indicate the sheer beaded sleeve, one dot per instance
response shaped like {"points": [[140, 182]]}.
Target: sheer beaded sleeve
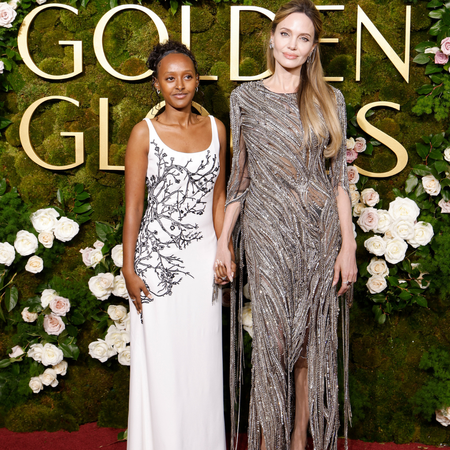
{"points": [[239, 178], [338, 167]]}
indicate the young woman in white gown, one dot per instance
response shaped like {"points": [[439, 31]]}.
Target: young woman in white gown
{"points": [[176, 386]]}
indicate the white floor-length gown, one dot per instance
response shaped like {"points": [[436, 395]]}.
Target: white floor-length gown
{"points": [[176, 387]]}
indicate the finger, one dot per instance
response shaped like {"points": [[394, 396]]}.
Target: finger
{"points": [[336, 276], [146, 291]]}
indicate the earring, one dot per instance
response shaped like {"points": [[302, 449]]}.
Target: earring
{"points": [[196, 89], [311, 56], [158, 91], [271, 45]]}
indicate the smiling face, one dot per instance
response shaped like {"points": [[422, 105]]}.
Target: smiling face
{"points": [[293, 41], [177, 80]]}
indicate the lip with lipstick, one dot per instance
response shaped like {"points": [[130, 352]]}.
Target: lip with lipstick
{"points": [[180, 95], [289, 56]]}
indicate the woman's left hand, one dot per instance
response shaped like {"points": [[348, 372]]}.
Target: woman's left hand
{"points": [[345, 268]]}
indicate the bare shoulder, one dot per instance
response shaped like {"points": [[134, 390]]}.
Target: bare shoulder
{"points": [[140, 130]]}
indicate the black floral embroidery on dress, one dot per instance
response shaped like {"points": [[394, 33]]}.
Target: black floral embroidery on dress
{"points": [[175, 195]]}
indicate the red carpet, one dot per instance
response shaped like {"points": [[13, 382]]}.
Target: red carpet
{"points": [[90, 437]]}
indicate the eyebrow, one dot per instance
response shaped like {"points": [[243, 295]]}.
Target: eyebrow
{"points": [[288, 29], [185, 71]]}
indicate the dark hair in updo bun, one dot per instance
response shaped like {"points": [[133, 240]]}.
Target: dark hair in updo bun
{"points": [[161, 50]]}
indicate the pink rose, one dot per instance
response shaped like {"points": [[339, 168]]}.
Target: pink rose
{"points": [[360, 145], [370, 197], [445, 46], [353, 175], [445, 206], [53, 324], [98, 245], [440, 58], [351, 155], [60, 305], [368, 220]]}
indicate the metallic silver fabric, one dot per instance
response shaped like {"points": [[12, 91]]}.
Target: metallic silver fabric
{"points": [[289, 228]]}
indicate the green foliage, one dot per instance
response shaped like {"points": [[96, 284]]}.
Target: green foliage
{"points": [[435, 393]]}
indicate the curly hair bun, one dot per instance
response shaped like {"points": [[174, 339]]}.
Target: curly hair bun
{"points": [[162, 50]]}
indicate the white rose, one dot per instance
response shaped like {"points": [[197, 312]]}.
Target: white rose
{"points": [[402, 207], [7, 253], [26, 243], [35, 264], [350, 143], [91, 256], [375, 245], [117, 255], [16, 352], [13, 3], [360, 145], [7, 15], [48, 378], [53, 324], [124, 357], [354, 230], [40, 2], [101, 350], [120, 288], [102, 285], [44, 220], [447, 154], [432, 50], [60, 305], [51, 355], [124, 323], [445, 206], [370, 197], [354, 195], [36, 384], [28, 316], [47, 296], [423, 233], [116, 338], [358, 209], [117, 312], [61, 368], [66, 229], [384, 221], [46, 239], [35, 352], [368, 220], [431, 185], [395, 250], [402, 228], [443, 416], [376, 284], [353, 175], [247, 318], [378, 267]]}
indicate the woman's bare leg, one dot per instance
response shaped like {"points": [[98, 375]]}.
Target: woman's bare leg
{"points": [[298, 438]]}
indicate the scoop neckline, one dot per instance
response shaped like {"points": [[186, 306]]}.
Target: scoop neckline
{"points": [[185, 153], [273, 92]]}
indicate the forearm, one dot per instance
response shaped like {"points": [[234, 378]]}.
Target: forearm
{"points": [[345, 219], [229, 221], [130, 233]]}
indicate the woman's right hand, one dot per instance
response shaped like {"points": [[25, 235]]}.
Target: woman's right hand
{"points": [[134, 287], [224, 266]]}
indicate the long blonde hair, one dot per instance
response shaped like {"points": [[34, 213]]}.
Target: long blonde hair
{"points": [[312, 88]]}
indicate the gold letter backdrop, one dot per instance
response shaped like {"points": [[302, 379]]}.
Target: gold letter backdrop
{"points": [[83, 85]]}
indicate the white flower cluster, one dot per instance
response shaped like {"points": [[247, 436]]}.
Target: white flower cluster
{"points": [[116, 339], [105, 284], [443, 416], [399, 227], [93, 256], [247, 318], [45, 222], [48, 355]]}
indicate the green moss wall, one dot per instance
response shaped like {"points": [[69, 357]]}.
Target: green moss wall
{"points": [[384, 358]]}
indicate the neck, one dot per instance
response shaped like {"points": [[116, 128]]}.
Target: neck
{"points": [[182, 117], [284, 80]]}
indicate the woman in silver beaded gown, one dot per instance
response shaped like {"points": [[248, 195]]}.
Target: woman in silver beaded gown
{"points": [[296, 230]]}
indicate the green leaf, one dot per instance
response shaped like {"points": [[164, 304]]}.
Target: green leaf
{"points": [[82, 209], [173, 6], [425, 89], [424, 45], [421, 301], [434, 30], [432, 68], [79, 188], [434, 4], [3, 186], [60, 196], [437, 14], [70, 350], [4, 363], [420, 190], [437, 79], [445, 182], [72, 330], [369, 149], [441, 166], [411, 183], [436, 154], [437, 139], [382, 319], [11, 298], [83, 196], [122, 436], [397, 192], [77, 318], [445, 195], [422, 58], [103, 229], [378, 298], [393, 281], [405, 295], [2, 314], [421, 169]]}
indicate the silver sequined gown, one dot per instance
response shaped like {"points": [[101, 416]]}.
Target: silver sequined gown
{"points": [[291, 235]]}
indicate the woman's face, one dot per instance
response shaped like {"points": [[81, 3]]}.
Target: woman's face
{"points": [[293, 41], [177, 80]]}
